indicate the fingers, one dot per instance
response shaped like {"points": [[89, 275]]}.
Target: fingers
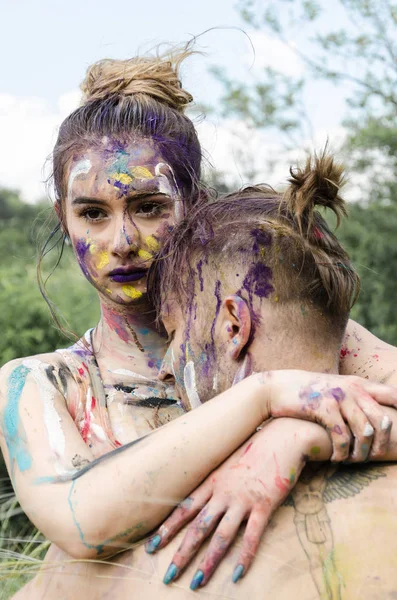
{"points": [[339, 432], [198, 531], [185, 512], [383, 394], [256, 525], [220, 542], [361, 429], [380, 421]]}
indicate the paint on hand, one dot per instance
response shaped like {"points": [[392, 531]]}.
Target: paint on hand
{"points": [[315, 451], [292, 475], [189, 379], [131, 292], [14, 433]]}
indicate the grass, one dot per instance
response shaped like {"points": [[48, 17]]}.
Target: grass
{"points": [[22, 546]]}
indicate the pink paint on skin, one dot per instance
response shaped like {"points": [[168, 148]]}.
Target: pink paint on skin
{"points": [[281, 482], [248, 448], [337, 429]]}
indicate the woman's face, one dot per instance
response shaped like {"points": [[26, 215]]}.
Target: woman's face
{"points": [[121, 201]]}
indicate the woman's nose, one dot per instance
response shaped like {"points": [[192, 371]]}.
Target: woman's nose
{"points": [[125, 239]]}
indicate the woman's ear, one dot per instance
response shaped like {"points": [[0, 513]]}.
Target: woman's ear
{"points": [[236, 324]]}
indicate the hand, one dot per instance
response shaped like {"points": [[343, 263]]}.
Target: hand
{"points": [[333, 401], [249, 486]]}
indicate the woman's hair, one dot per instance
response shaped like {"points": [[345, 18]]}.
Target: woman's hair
{"points": [[129, 99], [282, 246]]}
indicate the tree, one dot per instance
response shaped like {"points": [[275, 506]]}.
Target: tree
{"points": [[359, 57]]}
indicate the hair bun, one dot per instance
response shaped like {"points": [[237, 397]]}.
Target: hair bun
{"points": [[317, 184], [154, 76]]}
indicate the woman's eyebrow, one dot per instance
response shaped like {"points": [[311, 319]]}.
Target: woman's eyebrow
{"points": [[87, 200]]}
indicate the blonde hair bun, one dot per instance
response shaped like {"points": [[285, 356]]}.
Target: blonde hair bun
{"points": [[154, 76], [317, 184]]}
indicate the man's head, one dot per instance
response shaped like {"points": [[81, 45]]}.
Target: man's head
{"points": [[255, 281]]}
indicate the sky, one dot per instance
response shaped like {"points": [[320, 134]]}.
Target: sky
{"points": [[47, 45]]}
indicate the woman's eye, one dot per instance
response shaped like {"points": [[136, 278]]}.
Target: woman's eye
{"points": [[93, 214], [150, 209]]}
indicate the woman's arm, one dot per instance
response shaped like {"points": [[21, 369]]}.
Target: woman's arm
{"points": [[126, 493], [364, 354]]}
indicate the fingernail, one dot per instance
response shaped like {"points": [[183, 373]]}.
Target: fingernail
{"points": [[196, 581], [152, 544], [237, 573], [170, 574], [368, 430], [385, 423]]}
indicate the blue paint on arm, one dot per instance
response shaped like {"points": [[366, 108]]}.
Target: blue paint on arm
{"points": [[13, 430]]}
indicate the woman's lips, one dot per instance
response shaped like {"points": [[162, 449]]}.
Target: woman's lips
{"points": [[124, 276]]}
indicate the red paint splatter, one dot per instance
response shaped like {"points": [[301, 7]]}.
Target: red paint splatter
{"points": [[344, 352], [85, 366], [93, 403], [355, 355], [376, 356], [81, 371], [248, 448], [117, 443]]}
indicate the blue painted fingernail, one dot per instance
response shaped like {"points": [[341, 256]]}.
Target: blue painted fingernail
{"points": [[196, 581], [170, 574], [152, 544], [237, 573]]}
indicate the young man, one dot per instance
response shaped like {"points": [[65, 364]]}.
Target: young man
{"points": [[254, 288]]}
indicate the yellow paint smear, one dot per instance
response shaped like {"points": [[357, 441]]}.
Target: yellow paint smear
{"points": [[131, 292], [122, 178], [145, 255], [141, 173], [103, 259], [152, 243]]}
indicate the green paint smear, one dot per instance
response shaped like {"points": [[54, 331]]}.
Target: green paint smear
{"points": [[315, 450]]}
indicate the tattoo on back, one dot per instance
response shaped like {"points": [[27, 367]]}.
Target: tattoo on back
{"points": [[319, 485]]}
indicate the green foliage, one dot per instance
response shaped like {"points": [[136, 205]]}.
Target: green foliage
{"points": [[360, 54], [25, 321]]}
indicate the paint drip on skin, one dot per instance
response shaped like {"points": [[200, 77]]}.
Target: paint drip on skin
{"points": [[189, 379], [52, 420], [244, 370], [131, 292], [14, 431]]}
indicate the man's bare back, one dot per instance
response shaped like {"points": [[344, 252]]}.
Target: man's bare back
{"points": [[334, 539]]}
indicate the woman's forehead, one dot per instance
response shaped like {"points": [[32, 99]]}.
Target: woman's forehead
{"points": [[124, 167]]}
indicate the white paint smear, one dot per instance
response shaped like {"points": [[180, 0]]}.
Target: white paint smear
{"points": [[189, 379], [52, 420], [80, 168]]}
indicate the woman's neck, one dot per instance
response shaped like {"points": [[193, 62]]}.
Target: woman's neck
{"points": [[129, 338]]}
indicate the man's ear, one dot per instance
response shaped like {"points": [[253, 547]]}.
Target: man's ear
{"points": [[236, 324]]}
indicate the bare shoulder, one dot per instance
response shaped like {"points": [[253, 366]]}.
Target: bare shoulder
{"points": [[19, 369]]}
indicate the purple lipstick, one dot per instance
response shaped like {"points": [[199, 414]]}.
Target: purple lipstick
{"points": [[127, 274]]}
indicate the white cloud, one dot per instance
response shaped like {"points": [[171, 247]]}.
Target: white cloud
{"points": [[28, 128], [271, 52]]}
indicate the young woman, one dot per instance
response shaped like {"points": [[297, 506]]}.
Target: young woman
{"points": [[126, 168]]}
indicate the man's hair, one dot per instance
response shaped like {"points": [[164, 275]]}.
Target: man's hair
{"points": [[277, 245]]}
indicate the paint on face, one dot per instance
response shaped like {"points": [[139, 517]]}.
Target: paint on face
{"points": [[82, 167], [189, 380], [131, 292], [14, 431], [132, 192]]}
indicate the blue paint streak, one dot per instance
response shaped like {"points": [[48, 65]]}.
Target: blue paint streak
{"points": [[14, 432]]}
